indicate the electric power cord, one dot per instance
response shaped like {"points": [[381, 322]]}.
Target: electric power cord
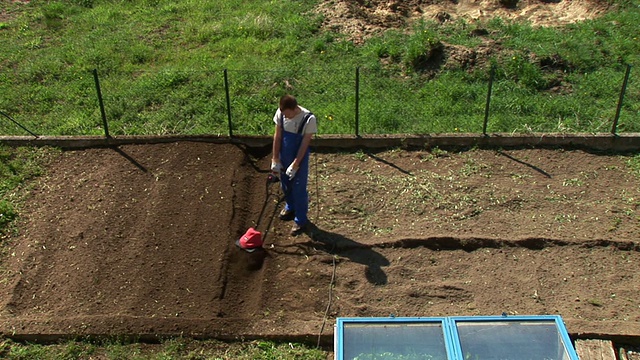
{"points": [[326, 312]]}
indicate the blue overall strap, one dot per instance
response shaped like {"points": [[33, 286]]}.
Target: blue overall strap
{"points": [[304, 122]]}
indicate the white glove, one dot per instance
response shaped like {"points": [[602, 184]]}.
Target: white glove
{"points": [[291, 172], [276, 167]]}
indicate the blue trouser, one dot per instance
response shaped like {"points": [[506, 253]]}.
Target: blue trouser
{"points": [[295, 190]]}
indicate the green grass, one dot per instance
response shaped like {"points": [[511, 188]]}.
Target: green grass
{"points": [[174, 349], [17, 167], [161, 68]]}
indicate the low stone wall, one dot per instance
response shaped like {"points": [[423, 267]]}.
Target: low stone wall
{"points": [[600, 142]]}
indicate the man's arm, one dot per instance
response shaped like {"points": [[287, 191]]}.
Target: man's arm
{"points": [[277, 141], [306, 140]]}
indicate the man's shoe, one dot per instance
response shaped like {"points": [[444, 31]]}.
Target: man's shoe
{"points": [[287, 215], [298, 229]]}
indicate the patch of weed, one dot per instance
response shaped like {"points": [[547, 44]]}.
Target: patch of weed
{"points": [[634, 165], [17, 167], [177, 348]]}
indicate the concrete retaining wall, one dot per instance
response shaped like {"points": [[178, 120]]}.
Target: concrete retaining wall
{"points": [[601, 142]]}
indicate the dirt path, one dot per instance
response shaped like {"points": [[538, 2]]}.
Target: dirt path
{"points": [[140, 240]]}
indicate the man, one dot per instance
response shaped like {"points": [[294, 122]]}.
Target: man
{"points": [[295, 127]]}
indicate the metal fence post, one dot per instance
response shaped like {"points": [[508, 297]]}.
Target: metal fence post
{"points": [[104, 114], [226, 89], [614, 128], [357, 101], [486, 108]]}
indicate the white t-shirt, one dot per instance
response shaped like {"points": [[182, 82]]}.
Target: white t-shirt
{"points": [[292, 125]]}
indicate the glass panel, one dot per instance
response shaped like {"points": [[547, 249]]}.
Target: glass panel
{"points": [[511, 340], [397, 341]]}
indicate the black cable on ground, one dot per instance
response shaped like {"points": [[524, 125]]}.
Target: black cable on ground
{"points": [[317, 190], [326, 313], [333, 275]]}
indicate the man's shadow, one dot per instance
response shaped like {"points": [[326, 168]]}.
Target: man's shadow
{"points": [[360, 253]]}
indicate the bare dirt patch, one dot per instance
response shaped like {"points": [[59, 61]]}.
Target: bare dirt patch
{"points": [[139, 240], [359, 19], [6, 13]]}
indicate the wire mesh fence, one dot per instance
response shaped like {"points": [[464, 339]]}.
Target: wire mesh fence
{"points": [[347, 101]]}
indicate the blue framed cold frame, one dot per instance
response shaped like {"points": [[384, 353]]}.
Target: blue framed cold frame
{"points": [[453, 338]]}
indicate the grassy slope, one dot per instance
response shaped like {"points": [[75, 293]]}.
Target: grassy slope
{"points": [[161, 66]]}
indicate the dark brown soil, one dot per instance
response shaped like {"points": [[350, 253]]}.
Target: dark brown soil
{"points": [[139, 240]]}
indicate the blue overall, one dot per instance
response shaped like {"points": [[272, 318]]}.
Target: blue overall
{"points": [[295, 190]]}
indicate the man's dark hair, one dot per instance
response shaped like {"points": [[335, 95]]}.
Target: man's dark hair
{"points": [[288, 102]]}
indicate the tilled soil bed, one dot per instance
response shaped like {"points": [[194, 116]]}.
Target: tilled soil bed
{"points": [[139, 240]]}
